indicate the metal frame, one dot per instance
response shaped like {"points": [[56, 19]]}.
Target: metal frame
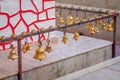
{"points": [[19, 37]]}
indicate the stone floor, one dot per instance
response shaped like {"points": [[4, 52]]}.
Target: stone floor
{"points": [[108, 70]]}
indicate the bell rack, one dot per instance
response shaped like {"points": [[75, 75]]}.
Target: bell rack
{"points": [[19, 37]]}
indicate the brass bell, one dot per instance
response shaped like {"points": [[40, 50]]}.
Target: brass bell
{"points": [[76, 35], [69, 19], [90, 25], [23, 33], [2, 37], [28, 47], [81, 19], [97, 30], [76, 20], [104, 26], [100, 21], [64, 39], [13, 35], [39, 54], [33, 31], [48, 48], [92, 31], [61, 19], [57, 13], [109, 29], [13, 54], [24, 48]]}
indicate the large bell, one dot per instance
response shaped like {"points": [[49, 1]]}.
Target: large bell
{"points": [[12, 55], [64, 39], [39, 54], [76, 35]]}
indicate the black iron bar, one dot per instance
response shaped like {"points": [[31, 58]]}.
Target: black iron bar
{"points": [[19, 60], [114, 38], [56, 28]]}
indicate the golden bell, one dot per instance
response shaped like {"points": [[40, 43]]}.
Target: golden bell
{"points": [[104, 26], [81, 19], [90, 25], [69, 19], [99, 21], [64, 39], [28, 47], [39, 54], [58, 25], [97, 30], [23, 33], [12, 55], [109, 29], [2, 37], [48, 48], [61, 19], [76, 20], [76, 35], [13, 35], [33, 31], [57, 14], [42, 29], [24, 48]]}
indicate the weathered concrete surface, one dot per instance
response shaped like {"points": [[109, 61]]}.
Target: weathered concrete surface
{"points": [[108, 70], [113, 4]]}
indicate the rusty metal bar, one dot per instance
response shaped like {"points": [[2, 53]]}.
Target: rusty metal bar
{"points": [[56, 28], [114, 38], [19, 60]]}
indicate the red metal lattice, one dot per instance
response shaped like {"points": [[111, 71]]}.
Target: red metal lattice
{"points": [[20, 12]]}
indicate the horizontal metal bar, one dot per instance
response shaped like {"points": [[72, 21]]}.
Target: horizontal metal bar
{"points": [[81, 10], [56, 28]]}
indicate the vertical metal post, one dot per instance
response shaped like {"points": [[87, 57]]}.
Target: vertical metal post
{"points": [[19, 60], [114, 38]]}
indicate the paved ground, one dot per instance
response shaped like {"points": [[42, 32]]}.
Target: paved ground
{"points": [[118, 49]]}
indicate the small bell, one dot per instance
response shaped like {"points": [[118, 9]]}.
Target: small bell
{"points": [[13, 35], [39, 54], [69, 19], [28, 47], [76, 20], [23, 33], [92, 31], [97, 30], [61, 19], [100, 21], [3, 38], [109, 29], [24, 48], [108, 12], [33, 31], [76, 35], [104, 26], [48, 48], [57, 13], [90, 25], [64, 39], [13, 54]]}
